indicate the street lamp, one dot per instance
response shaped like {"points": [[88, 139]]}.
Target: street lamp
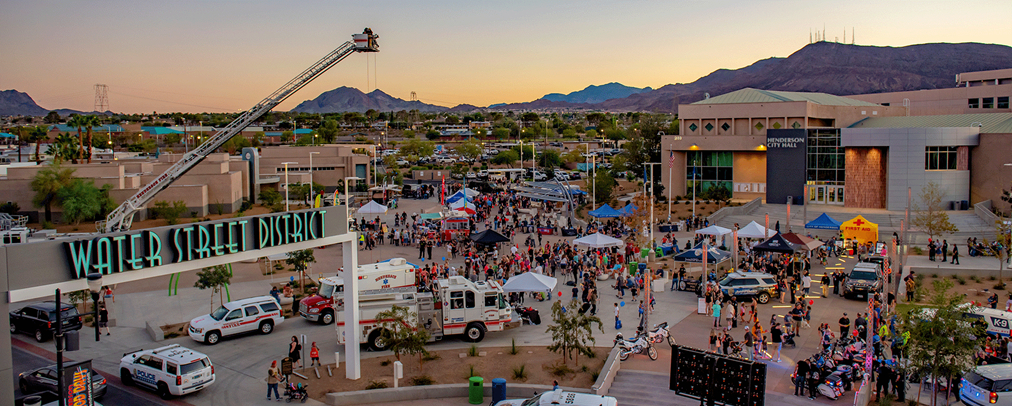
{"points": [[286, 181], [347, 196], [312, 192], [95, 286]]}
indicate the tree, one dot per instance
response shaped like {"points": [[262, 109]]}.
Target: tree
{"points": [[500, 133], [592, 134], [572, 332], [575, 155], [507, 157], [470, 149], [300, 260], [941, 341], [718, 193], [214, 278], [78, 122], [432, 134], [409, 134], [399, 333], [930, 215], [603, 183], [549, 159], [569, 133], [417, 147], [47, 183], [287, 136], [64, 149], [172, 138], [269, 197], [52, 118], [89, 122], [169, 211], [80, 200], [37, 135], [328, 131]]}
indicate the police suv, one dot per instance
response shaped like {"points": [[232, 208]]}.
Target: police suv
{"points": [[170, 371], [559, 397], [760, 285], [259, 313]]}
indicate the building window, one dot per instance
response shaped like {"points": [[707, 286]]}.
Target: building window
{"points": [[940, 158], [973, 103], [711, 169], [988, 103], [1003, 102], [825, 158]]}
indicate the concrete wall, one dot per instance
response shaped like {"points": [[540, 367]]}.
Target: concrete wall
{"points": [[750, 168], [941, 101], [865, 177], [988, 175]]}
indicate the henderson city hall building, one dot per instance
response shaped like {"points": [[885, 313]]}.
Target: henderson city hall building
{"points": [[856, 151]]}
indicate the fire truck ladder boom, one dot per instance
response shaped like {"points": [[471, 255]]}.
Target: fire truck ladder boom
{"points": [[121, 218]]}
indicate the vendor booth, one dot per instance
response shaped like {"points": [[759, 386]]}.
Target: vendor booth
{"points": [[859, 229], [778, 243], [824, 222]]}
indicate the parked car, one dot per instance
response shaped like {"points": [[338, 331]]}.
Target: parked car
{"points": [[172, 370], [560, 175], [987, 384], [39, 319], [555, 144], [256, 314], [402, 162], [762, 286], [445, 160], [45, 379], [575, 175], [863, 280], [471, 175]]}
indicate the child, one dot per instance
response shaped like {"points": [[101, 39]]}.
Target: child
{"points": [[314, 355]]}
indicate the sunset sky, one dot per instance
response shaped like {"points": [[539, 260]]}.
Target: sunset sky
{"points": [[226, 55]]}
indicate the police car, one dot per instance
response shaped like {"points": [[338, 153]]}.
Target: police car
{"points": [[169, 371], [261, 313], [561, 397], [760, 285]]}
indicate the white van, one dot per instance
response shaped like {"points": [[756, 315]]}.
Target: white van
{"points": [[170, 371], [997, 321], [259, 313]]}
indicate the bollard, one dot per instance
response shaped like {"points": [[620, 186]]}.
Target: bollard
{"points": [[300, 375], [317, 369], [498, 390], [329, 372], [475, 390], [337, 359], [398, 372]]}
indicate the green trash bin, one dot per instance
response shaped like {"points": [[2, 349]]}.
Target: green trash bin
{"points": [[659, 251], [632, 268], [644, 252], [476, 390]]}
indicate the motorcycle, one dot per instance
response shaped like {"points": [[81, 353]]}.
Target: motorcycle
{"points": [[831, 386], [637, 345], [660, 333], [296, 391]]}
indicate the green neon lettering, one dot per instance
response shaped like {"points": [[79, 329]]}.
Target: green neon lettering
{"points": [[119, 254], [296, 227], [265, 236], [103, 256], [203, 240], [80, 256], [189, 242], [232, 244], [283, 229], [176, 236], [311, 226], [323, 222], [306, 225], [154, 257], [134, 261], [216, 246], [242, 234]]}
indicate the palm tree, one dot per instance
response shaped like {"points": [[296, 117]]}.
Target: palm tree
{"points": [[37, 135], [47, 183], [64, 148], [89, 122], [78, 121]]}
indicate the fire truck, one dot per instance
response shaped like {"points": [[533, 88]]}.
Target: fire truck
{"points": [[394, 273], [458, 306]]}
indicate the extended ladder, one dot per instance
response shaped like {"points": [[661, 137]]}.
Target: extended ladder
{"points": [[121, 218]]}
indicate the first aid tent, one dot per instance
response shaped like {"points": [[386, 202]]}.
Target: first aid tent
{"points": [[860, 229]]}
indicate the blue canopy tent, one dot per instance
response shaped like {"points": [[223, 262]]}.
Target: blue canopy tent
{"points": [[695, 255], [6, 135], [629, 209], [824, 222], [457, 196], [605, 211]]}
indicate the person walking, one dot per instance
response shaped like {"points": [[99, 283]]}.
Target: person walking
{"points": [[955, 255], [825, 284], [749, 343], [295, 352], [618, 323], [103, 319], [716, 314], [777, 335], [844, 326], [273, 378], [806, 284], [800, 378], [314, 355]]}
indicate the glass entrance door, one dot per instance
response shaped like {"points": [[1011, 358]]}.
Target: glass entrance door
{"points": [[824, 194]]}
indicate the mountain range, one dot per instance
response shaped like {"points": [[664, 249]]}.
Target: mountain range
{"points": [[826, 67]]}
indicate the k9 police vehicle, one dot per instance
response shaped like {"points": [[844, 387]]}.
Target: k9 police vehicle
{"points": [[759, 285], [256, 314], [169, 371], [561, 397]]}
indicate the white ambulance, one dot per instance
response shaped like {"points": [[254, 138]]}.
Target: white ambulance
{"points": [[170, 371], [261, 313], [394, 273]]}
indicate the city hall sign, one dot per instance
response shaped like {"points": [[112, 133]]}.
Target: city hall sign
{"points": [[115, 253]]}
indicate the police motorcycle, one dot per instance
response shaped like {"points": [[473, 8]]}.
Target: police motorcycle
{"points": [[296, 391], [838, 367], [637, 345], [661, 333]]}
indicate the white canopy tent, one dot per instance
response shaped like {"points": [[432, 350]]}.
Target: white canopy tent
{"points": [[530, 282], [598, 240], [470, 193], [372, 208], [753, 230], [714, 230]]}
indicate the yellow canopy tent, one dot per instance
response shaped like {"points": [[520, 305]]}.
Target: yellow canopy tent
{"points": [[860, 229]]}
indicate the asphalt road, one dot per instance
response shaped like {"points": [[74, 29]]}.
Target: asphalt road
{"points": [[116, 394]]}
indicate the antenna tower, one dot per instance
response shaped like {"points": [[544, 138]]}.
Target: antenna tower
{"points": [[414, 96], [101, 98]]}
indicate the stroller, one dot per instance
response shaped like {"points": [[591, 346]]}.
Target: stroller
{"points": [[529, 315], [789, 340], [296, 391]]}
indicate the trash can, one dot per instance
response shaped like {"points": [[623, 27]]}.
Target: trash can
{"points": [[632, 268], [964, 205], [475, 390], [498, 390], [642, 266], [659, 251]]}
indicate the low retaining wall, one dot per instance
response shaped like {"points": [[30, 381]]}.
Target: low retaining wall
{"points": [[735, 211], [608, 372], [949, 270], [455, 390], [983, 210]]}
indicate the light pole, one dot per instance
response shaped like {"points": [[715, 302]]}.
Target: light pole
{"points": [[347, 196], [374, 171], [312, 192], [286, 181], [693, 188], [651, 164], [95, 286]]}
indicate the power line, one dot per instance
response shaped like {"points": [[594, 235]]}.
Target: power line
{"points": [[173, 102]]}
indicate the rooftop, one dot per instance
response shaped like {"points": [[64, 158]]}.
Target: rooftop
{"points": [[101, 128], [1000, 123], [750, 95]]}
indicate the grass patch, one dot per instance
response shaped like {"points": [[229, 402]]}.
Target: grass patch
{"points": [[961, 280], [902, 308], [423, 380], [376, 385], [472, 351], [520, 372], [594, 375], [470, 371], [559, 370], [430, 356], [513, 347]]}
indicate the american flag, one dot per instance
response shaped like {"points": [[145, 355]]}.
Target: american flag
{"points": [[671, 159]]}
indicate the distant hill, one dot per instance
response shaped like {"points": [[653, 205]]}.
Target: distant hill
{"points": [[15, 103], [596, 94], [350, 99]]}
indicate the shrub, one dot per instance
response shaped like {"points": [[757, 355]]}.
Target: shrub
{"points": [[430, 356], [991, 278], [559, 370], [594, 375], [918, 251], [584, 368], [423, 380], [975, 278], [169, 211], [999, 286], [513, 347], [961, 280], [933, 276], [954, 276], [520, 372], [11, 208], [470, 371], [384, 363], [473, 351], [376, 385]]}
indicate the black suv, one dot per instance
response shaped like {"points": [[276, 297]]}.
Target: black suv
{"points": [[39, 319], [862, 281]]}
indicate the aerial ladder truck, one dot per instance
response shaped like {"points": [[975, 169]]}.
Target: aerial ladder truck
{"points": [[121, 218]]}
